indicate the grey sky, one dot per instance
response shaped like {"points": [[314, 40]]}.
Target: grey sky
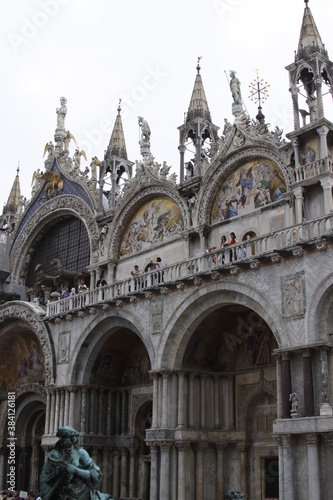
{"points": [[94, 52]]}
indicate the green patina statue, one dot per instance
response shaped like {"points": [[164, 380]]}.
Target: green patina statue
{"points": [[69, 472], [233, 495]]}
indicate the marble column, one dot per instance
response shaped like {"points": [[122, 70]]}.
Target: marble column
{"points": [[132, 472], [154, 476], [288, 468], [203, 379], [47, 416], [294, 94], [325, 407], [327, 439], [100, 411], [109, 413], [92, 411], [231, 402], [217, 419], [298, 193], [71, 406], [279, 387], [165, 400], [118, 413], [181, 483], [243, 467], [220, 447], [52, 396], [165, 470], [323, 150], [124, 411], [286, 385], [155, 400], [62, 408], [327, 184], [313, 467], [83, 428], [181, 378], [66, 408], [191, 401], [199, 470], [182, 150], [116, 464], [308, 384], [106, 471], [56, 412], [296, 153], [320, 105], [123, 473]]}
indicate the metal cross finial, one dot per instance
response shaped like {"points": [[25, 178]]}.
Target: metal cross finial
{"points": [[306, 2], [258, 90]]}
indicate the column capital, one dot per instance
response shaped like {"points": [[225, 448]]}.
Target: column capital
{"points": [[322, 130], [311, 439], [298, 192], [306, 353], [287, 440], [182, 445], [165, 446], [242, 446]]}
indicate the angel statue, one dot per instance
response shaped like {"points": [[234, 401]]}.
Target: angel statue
{"points": [[77, 161], [145, 130], [49, 149], [35, 183], [93, 167], [69, 137], [61, 113]]}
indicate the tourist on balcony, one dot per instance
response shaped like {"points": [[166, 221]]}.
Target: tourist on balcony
{"points": [[101, 282], [224, 243], [82, 287], [233, 241], [158, 265], [66, 293]]}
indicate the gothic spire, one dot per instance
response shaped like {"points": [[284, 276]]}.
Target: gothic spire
{"points": [[117, 145], [198, 104], [14, 197], [310, 39]]}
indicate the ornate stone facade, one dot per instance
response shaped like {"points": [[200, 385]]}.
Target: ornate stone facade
{"points": [[196, 368]]}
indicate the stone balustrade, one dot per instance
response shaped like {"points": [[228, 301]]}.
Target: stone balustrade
{"points": [[278, 242], [310, 170]]}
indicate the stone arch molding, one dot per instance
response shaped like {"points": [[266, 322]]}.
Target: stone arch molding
{"points": [[213, 182], [318, 311], [118, 225], [81, 359], [195, 307], [21, 253], [25, 313]]}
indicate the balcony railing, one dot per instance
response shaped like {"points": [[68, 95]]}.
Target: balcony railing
{"points": [[310, 170], [258, 248]]}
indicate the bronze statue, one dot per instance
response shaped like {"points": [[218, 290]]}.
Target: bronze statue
{"points": [[69, 471]]}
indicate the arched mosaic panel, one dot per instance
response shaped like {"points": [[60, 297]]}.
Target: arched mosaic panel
{"points": [[158, 220], [252, 185]]}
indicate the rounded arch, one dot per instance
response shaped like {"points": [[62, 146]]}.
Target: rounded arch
{"points": [[199, 304], [57, 208], [30, 316], [319, 314], [213, 182], [138, 200], [93, 338]]}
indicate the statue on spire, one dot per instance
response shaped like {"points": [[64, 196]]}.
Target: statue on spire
{"points": [[145, 137], [61, 113], [235, 88]]}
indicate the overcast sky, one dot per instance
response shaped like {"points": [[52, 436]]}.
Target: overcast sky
{"points": [[94, 52]]}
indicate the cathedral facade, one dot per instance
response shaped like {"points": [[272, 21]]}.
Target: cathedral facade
{"points": [[181, 323]]}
